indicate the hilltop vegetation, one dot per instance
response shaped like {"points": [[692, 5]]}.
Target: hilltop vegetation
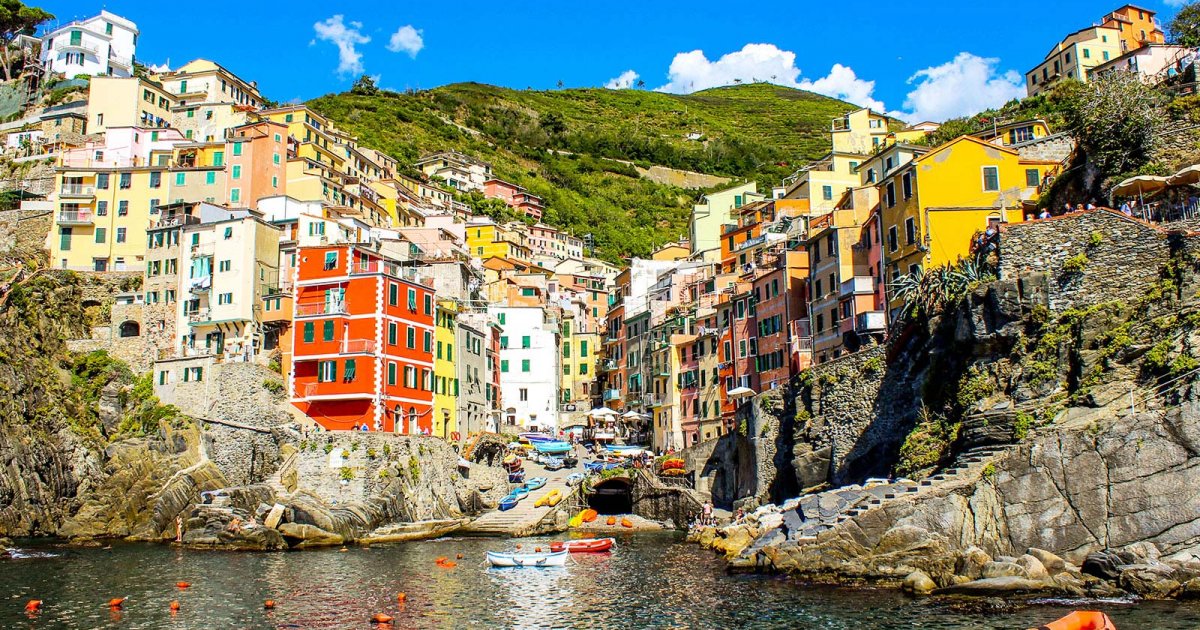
{"points": [[574, 147]]}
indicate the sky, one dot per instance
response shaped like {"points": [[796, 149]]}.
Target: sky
{"points": [[929, 60]]}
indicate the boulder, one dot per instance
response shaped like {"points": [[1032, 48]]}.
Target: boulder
{"points": [[1034, 569], [1105, 565], [1052, 563], [1189, 590], [1152, 581], [918, 583], [971, 563], [994, 586], [302, 536], [1003, 569]]}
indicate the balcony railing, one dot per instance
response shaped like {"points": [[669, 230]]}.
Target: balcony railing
{"points": [[71, 217], [858, 285], [77, 190], [201, 315], [871, 321], [612, 394], [67, 45], [358, 346], [320, 308]]}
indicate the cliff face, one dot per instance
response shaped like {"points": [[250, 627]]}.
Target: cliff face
{"points": [[1055, 409]]}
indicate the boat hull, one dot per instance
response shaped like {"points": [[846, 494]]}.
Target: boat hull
{"points": [[593, 545], [527, 560]]}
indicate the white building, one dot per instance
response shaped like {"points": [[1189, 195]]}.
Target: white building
{"points": [[1152, 62], [102, 45], [530, 365]]}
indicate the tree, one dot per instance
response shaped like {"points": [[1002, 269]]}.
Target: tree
{"points": [[365, 86], [553, 124], [17, 19], [1114, 119], [1184, 28]]}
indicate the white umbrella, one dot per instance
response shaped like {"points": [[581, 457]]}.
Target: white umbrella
{"points": [[1186, 175], [740, 392], [631, 414], [602, 412]]}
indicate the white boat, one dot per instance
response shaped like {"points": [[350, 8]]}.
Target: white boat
{"points": [[548, 559]]}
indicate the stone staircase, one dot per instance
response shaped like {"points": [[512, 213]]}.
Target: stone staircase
{"points": [[522, 520]]}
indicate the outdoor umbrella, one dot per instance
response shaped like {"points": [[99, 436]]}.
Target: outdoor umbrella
{"points": [[1139, 185], [1185, 176], [602, 412], [741, 392]]}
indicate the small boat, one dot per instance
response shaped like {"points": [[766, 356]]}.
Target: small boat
{"points": [[550, 559], [570, 461], [520, 492], [594, 466], [574, 479], [552, 463], [554, 495], [534, 438], [1081, 620], [507, 503], [535, 483], [576, 520], [589, 545], [516, 477], [553, 446]]}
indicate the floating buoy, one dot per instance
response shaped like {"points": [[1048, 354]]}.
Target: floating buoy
{"points": [[449, 564], [458, 557], [401, 597], [381, 618], [269, 604], [33, 605], [117, 602], [175, 606], [182, 585], [612, 520]]}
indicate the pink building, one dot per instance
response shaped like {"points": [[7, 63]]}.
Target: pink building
{"points": [[515, 196]]}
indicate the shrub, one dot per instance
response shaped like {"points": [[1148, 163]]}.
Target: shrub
{"points": [[1076, 263], [1095, 239], [873, 365], [346, 473], [414, 468], [989, 472], [275, 387], [328, 449], [927, 444], [1022, 425]]}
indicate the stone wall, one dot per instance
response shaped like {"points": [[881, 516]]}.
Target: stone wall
{"points": [[23, 231], [1124, 256], [1057, 147], [668, 504], [682, 179], [235, 393]]}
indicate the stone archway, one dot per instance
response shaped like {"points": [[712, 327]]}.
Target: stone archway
{"points": [[612, 496], [130, 329]]}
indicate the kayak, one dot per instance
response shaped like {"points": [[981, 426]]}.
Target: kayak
{"points": [[507, 503], [551, 559], [535, 483], [1081, 620], [589, 515], [590, 545], [546, 498]]}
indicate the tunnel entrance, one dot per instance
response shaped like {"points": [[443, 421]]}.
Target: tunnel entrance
{"points": [[612, 496]]}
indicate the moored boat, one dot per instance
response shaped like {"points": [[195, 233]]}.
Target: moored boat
{"points": [[574, 479], [1081, 620], [507, 503], [534, 484], [534, 438], [548, 559], [588, 545], [549, 499]]}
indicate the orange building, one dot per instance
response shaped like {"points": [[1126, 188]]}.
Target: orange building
{"points": [[362, 342], [257, 157], [1135, 26]]}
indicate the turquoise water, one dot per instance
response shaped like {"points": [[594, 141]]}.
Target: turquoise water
{"points": [[651, 581]]}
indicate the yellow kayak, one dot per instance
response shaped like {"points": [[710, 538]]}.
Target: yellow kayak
{"points": [[554, 495], [555, 498]]}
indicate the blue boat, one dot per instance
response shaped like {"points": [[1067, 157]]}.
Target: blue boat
{"points": [[507, 503], [516, 477], [534, 438], [574, 479], [593, 466], [520, 492], [534, 484], [554, 446]]}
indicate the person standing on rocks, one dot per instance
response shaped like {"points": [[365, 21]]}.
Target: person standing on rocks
{"points": [[179, 528]]}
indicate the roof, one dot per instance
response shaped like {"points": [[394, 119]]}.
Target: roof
{"points": [[965, 138]]}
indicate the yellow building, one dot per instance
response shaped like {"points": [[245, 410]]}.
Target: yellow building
{"points": [[710, 217], [198, 173], [486, 239], [579, 348], [935, 204], [854, 137], [128, 102], [445, 378], [203, 81], [1074, 56], [1015, 133]]}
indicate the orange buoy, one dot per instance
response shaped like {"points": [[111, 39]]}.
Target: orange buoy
{"points": [[537, 549], [401, 597], [1081, 620], [182, 585], [458, 557], [117, 602], [612, 520], [381, 618], [449, 564], [518, 546], [175, 606], [626, 523], [269, 604], [33, 605], [440, 560]]}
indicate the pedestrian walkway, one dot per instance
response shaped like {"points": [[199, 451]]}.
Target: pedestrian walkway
{"points": [[524, 519]]}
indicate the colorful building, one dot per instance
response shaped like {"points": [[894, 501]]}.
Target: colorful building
{"points": [[710, 217], [445, 374], [529, 366], [363, 342], [1075, 56], [100, 45]]}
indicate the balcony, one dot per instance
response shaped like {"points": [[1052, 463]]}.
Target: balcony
{"points": [[331, 391], [199, 316], [77, 190], [68, 45], [870, 322], [320, 308], [612, 394], [858, 285], [73, 217], [124, 62], [358, 346]]}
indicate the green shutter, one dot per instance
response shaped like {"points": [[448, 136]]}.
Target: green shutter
{"points": [[524, 365], [504, 366], [327, 330], [308, 332], [350, 369]]}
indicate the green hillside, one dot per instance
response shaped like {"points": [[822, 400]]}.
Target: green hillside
{"points": [[564, 145]]}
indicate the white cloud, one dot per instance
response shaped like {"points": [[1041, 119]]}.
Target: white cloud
{"points": [[407, 39], [345, 36], [1176, 3], [842, 83], [692, 71], [623, 82], [966, 85]]}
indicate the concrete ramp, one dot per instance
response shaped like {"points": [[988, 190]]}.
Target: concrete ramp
{"points": [[525, 519]]}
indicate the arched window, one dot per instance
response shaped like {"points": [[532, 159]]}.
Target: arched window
{"points": [[398, 419], [130, 329], [412, 420]]}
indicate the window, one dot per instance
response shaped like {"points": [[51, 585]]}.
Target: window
{"points": [[237, 148], [180, 179], [392, 333], [326, 371], [331, 261], [218, 156], [910, 231], [235, 195], [827, 193], [503, 365], [525, 341], [227, 298], [500, 318], [101, 233], [906, 185], [1087, 54], [349, 374], [991, 178], [122, 207], [236, 171], [893, 239], [428, 341], [275, 158], [411, 338], [155, 179], [393, 294], [327, 330], [308, 332], [428, 304], [891, 194], [126, 180], [102, 208], [412, 299], [1104, 54], [524, 394], [228, 233], [1032, 179], [391, 373], [120, 235], [504, 342], [524, 365], [583, 348]]}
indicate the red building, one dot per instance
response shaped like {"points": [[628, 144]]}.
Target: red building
{"points": [[689, 386], [362, 349], [782, 298], [515, 196]]}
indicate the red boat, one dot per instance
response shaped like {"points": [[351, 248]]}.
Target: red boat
{"points": [[588, 545]]}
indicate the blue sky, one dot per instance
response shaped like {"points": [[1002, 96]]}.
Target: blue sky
{"points": [[929, 59]]}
